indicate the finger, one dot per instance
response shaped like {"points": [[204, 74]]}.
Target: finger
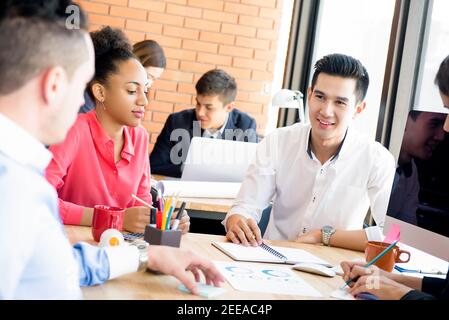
{"points": [[195, 272], [358, 271], [211, 273], [242, 237], [255, 230], [231, 237], [346, 270], [183, 276], [249, 235]]}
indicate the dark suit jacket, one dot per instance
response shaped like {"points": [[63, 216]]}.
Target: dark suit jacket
{"points": [[240, 127], [432, 288]]}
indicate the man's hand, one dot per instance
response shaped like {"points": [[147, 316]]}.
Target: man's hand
{"points": [[243, 230], [136, 218], [311, 237], [372, 280], [184, 222], [178, 262]]}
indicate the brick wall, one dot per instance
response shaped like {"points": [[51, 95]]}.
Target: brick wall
{"points": [[239, 36]]}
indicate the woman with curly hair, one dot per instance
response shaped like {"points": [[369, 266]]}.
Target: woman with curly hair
{"points": [[104, 158]]}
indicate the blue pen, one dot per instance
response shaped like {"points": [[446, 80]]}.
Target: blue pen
{"points": [[380, 255]]}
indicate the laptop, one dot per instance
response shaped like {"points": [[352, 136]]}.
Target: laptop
{"points": [[218, 160]]}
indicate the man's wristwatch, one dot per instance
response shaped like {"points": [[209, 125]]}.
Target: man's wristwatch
{"points": [[326, 233], [142, 246]]}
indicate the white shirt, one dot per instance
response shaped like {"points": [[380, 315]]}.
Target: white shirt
{"points": [[217, 134], [307, 195]]}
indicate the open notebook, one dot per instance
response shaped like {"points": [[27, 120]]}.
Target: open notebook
{"points": [[270, 254]]}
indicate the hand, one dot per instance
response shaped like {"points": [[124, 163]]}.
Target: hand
{"points": [[136, 218], [372, 280], [177, 262], [243, 230], [312, 237], [184, 222]]}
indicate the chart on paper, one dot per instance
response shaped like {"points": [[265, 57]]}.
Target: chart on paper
{"points": [[267, 279]]}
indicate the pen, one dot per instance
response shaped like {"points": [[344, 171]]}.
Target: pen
{"points": [[380, 255], [142, 201], [179, 216]]}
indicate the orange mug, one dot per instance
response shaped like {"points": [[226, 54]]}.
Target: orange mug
{"points": [[374, 248]]}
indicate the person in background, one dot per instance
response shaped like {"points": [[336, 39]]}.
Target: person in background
{"points": [[214, 116], [104, 158], [392, 286], [41, 90], [151, 56]]}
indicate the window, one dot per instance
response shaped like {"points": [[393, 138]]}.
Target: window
{"points": [[359, 28]]}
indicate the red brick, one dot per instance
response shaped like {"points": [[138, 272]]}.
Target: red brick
{"points": [[93, 7], [94, 27], [200, 46], [242, 96], [196, 67], [207, 4], [235, 51], [249, 63], [263, 3], [180, 54], [241, 9], [115, 2], [181, 32], [183, 11], [128, 13], [165, 19], [187, 88], [220, 16], [144, 26], [165, 41], [256, 22], [238, 73], [202, 24], [148, 5], [182, 107], [153, 138], [270, 67], [214, 58], [249, 107], [184, 2], [265, 55], [238, 30], [160, 106], [258, 98], [270, 13], [164, 85], [172, 97], [262, 75], [217, 37], [172, 64], [160, 117], [134, 36], [252, 43], [107, 21], [177, 76], [256, 86], [155, 127]]}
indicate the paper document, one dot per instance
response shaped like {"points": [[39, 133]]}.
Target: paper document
{"points": [[201, 189], [258, 254], [268, 279]]}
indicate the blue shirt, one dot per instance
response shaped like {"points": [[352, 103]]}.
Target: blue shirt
{"points": [[36, 258]]}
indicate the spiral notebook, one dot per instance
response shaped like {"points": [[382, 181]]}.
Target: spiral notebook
{"points": [[266, 253]]}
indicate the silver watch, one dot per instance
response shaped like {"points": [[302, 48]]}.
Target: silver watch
{"points": [[142, 246], [326, 233]]}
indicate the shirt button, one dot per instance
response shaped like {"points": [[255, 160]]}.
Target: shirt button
{"points": [[313, 200], [321, 171]]}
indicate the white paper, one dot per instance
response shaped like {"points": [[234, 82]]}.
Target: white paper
{"points": [[201, 189], [257, 254], [342, 294], [267, 279]]}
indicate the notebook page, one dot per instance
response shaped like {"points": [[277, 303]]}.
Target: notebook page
{"points": [[298, 255], [240, 252]]}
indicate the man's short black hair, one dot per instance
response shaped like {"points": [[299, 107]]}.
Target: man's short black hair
{"points": [[36, 35], [217, 82], [346, 67], [442, 77]]}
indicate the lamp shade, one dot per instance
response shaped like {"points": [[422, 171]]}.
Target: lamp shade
{"points": [[289, 99]]}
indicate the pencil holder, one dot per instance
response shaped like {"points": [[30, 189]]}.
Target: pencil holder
{"points": [[155, 236]]}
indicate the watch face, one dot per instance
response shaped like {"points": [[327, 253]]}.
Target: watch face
{"points": [[327, 229]]}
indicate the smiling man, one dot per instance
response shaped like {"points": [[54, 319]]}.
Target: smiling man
{"points": [[214, 116], [322, 177]]}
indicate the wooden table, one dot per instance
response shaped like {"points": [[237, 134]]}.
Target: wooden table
{"points": [[147, 285]]}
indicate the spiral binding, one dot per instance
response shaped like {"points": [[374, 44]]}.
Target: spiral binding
{"points": [[273, 252]]}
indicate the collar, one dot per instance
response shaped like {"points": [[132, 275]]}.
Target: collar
{"points": [[405, 170], [309, 145], [217, 133], [23, 148], [101, 138]]}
